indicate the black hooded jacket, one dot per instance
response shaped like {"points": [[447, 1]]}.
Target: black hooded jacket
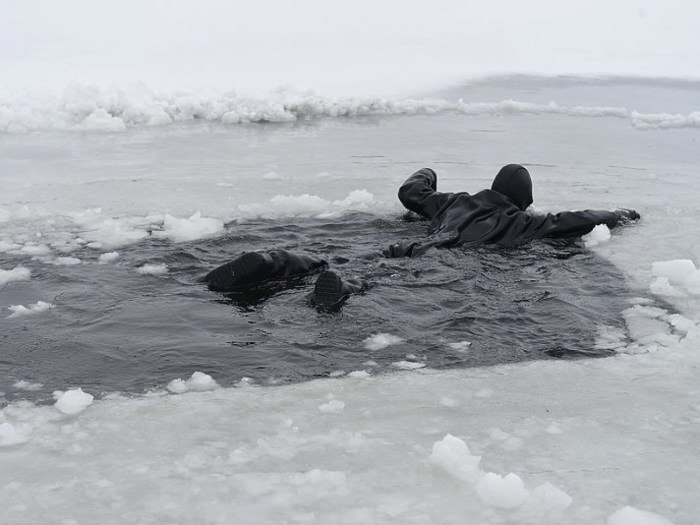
{"points": [[495, 216]]}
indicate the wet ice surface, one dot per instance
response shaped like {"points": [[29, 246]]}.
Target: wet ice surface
{"points": [[103, 227]]}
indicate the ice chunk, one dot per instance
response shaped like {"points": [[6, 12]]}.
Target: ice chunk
{"points": [[360, 374], [28, 385], [72, 402], [9, 436], [452, 455], [632, 516], [198, 382], [408, 365], [381, 341], [16, 274], [503, 492], [332, 407], [108, 257], [21, 311], [356, 199], [549, 497], [460, 346], [598, 235], [190, 229], [676, 271], [152, 269]]}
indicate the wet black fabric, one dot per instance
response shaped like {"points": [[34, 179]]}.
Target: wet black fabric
{"points": [[492, 216]]}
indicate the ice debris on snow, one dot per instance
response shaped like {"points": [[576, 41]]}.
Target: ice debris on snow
{"points": [[505, 492], [453, 456], [9, 436], [152, 269], [72, 402], [598, 235], [381, 341], [334, 406], [675, 278], [16, 274], [19, 310], [198, 382], [633, 516]]}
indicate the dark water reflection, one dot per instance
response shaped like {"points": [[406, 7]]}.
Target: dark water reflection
{"points": [[113, 329]]}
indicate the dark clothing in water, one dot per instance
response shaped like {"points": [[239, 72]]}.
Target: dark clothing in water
{"points": [[495, 216]]}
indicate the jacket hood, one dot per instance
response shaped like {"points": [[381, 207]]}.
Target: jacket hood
{"points": [[514, 182]]}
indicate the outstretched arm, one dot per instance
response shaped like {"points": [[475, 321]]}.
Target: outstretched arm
{"points": [[575, 223], [419, 193]]}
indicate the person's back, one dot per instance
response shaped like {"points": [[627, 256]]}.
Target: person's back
{"points": [[492, 216]]}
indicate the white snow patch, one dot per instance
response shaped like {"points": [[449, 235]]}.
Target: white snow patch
{"points": [[152, 269], [72, 402], [381, 341], [16, 274], [633, 516], [198, 382], [21, 311]]}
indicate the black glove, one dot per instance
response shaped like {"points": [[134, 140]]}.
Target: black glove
{"points": [[625, 215]]}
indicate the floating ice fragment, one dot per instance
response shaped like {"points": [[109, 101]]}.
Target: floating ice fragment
{"points": [[189, 229], [360, 374], [676, 271], [16, 274], [632, 516], [72, 402], [503, 492], [598, 235], [408, 365], [460, 346], [332, 407], [381, 341], [198, 382], [108, 257], [452, 455], [152, 269], [9, 436], [28, 385], [21, 311]]}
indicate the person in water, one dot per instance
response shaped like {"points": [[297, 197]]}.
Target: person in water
{"points": [[492, 216]]}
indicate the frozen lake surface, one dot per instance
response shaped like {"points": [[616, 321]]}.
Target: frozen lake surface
{"points": [[111, 207]]}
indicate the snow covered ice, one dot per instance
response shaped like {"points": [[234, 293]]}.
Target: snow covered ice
{"points": [[105, 148]]}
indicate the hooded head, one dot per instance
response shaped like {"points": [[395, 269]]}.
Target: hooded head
{"points": [[514, 182]]}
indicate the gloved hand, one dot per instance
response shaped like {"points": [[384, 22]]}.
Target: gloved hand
{"points": [[626, 215]]}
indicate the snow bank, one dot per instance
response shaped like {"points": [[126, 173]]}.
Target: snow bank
{"points": [[114, 109]]}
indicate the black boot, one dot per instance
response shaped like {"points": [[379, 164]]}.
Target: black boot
{"points": [[330, 291]]}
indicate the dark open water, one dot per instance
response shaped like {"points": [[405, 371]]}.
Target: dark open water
{"points": [[113, 329]]}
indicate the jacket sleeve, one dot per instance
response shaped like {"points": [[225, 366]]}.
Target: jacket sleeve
{"points": [[419, 193], [573, 223]]}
